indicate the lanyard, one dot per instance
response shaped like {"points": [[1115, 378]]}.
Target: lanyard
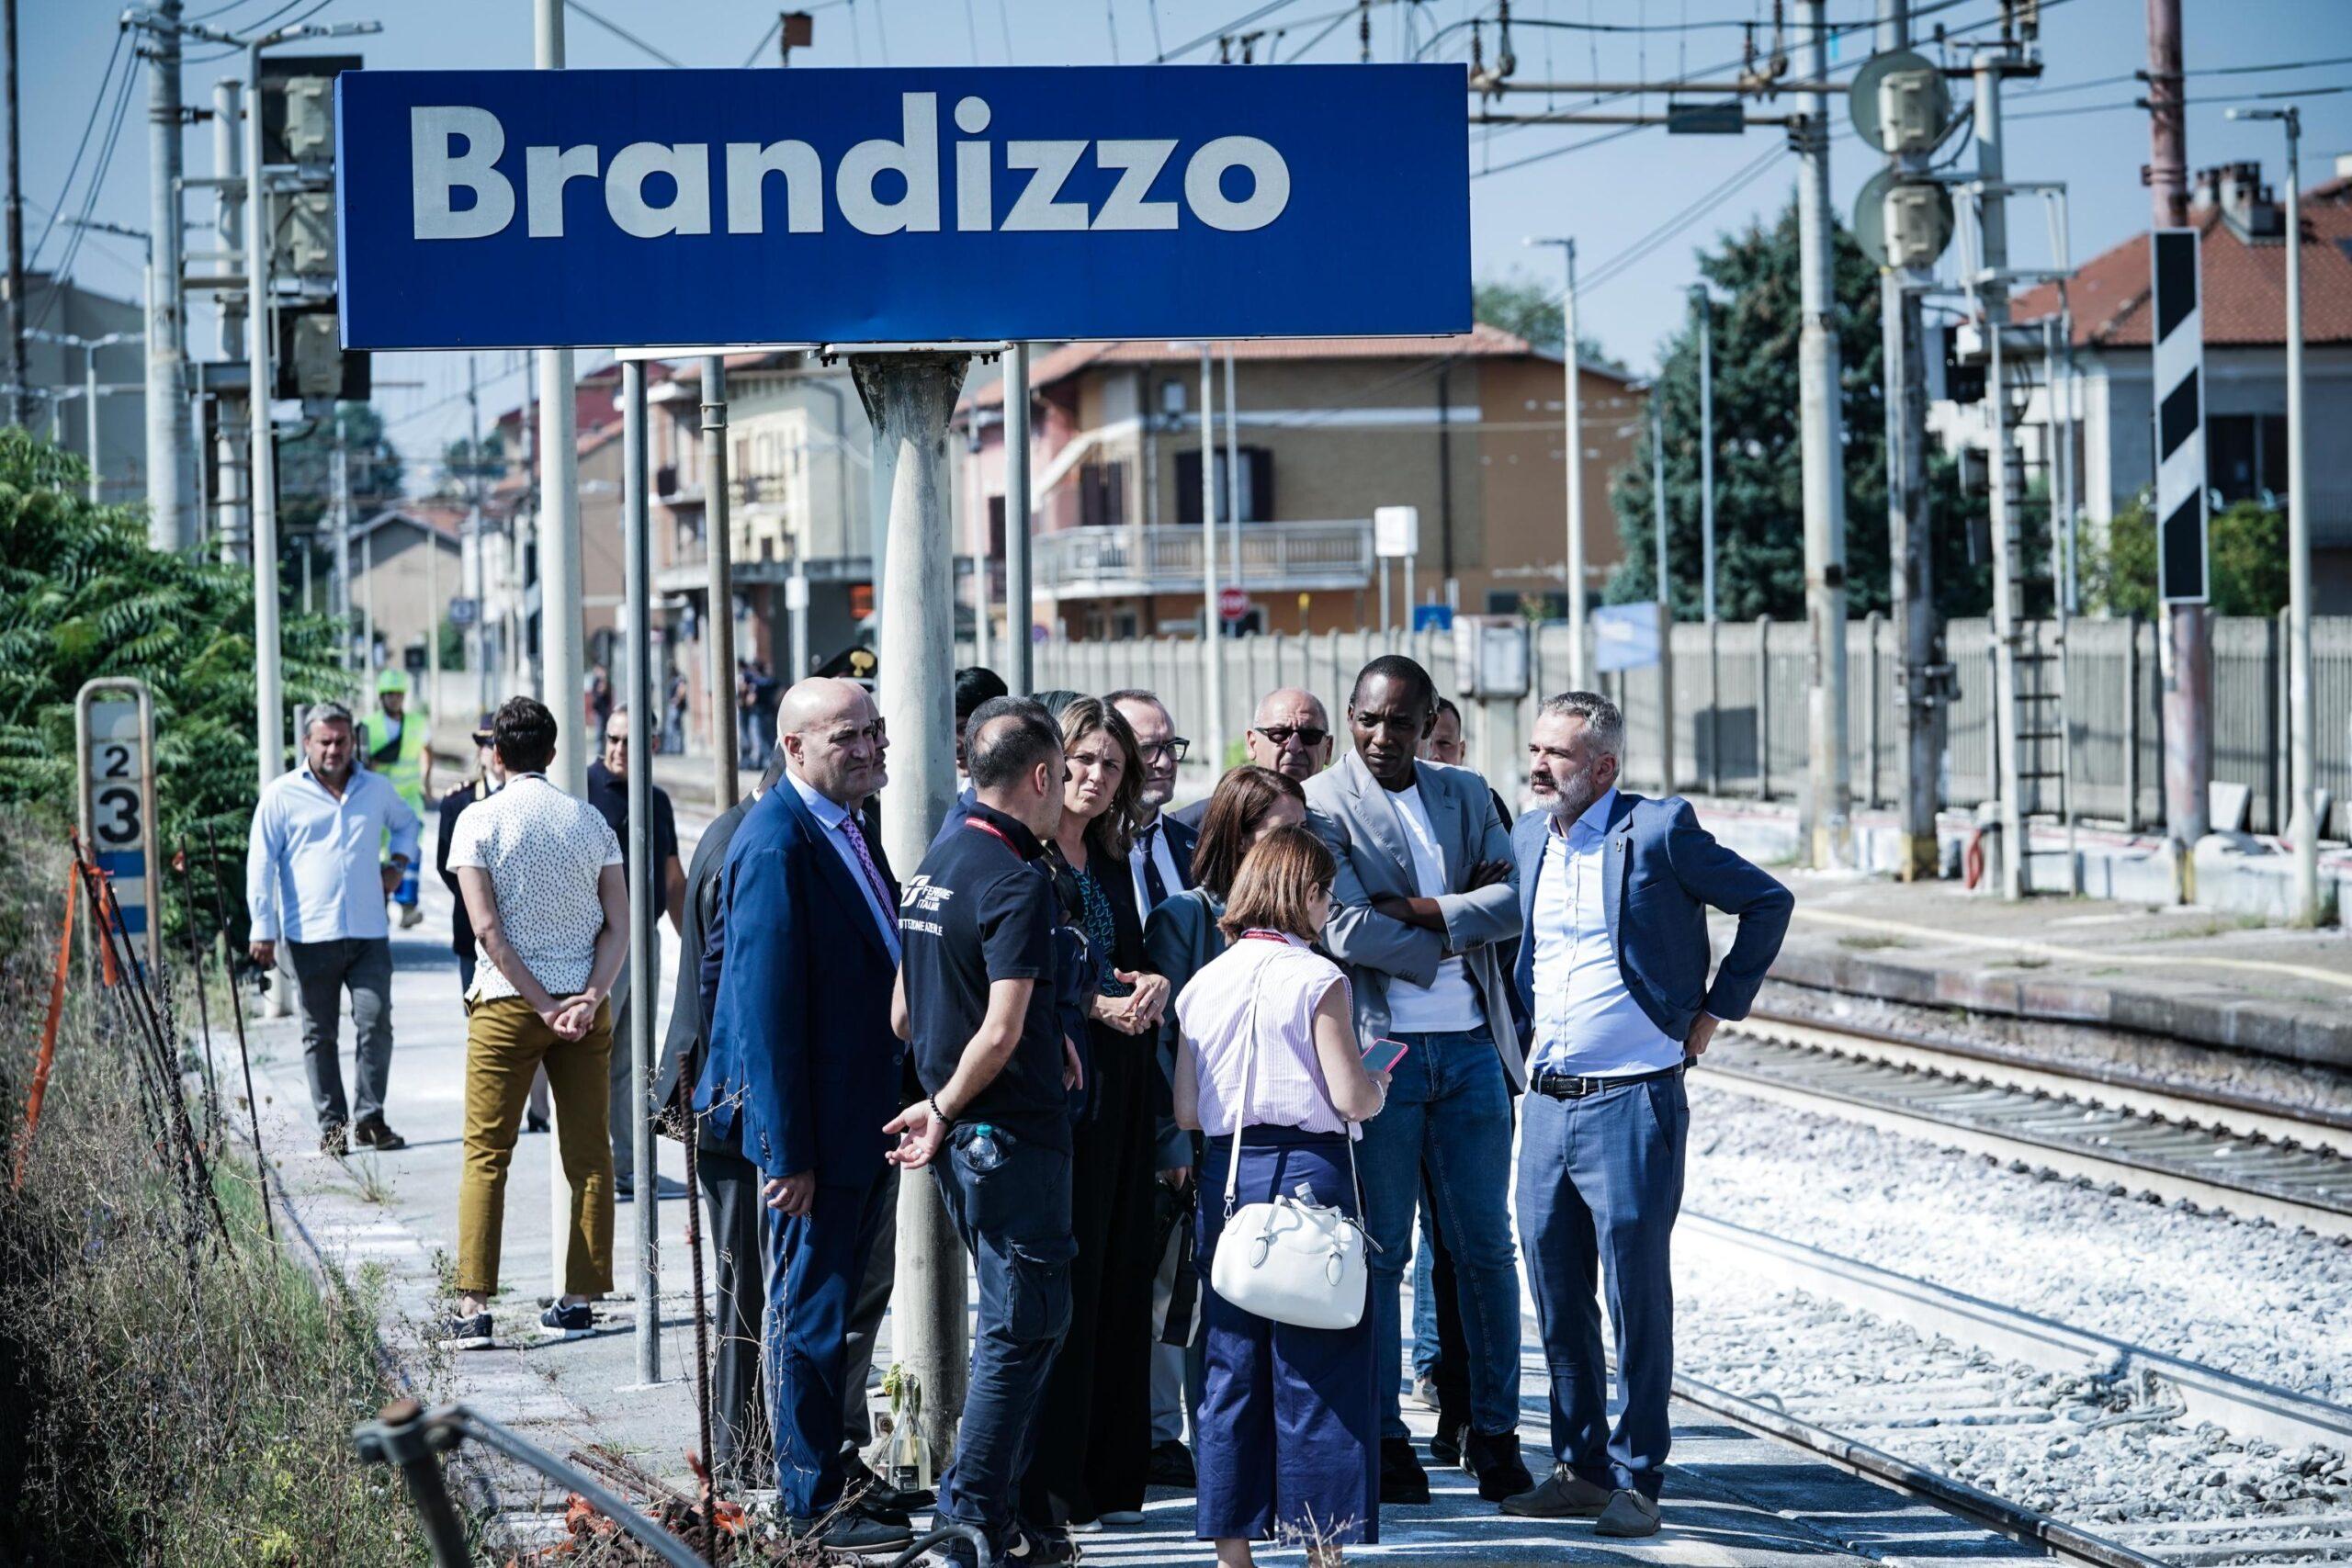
{"points": [[993, 831]]}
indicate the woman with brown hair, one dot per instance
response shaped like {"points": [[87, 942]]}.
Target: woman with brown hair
{"points": [[1094, 1427], [1267, 1067]]}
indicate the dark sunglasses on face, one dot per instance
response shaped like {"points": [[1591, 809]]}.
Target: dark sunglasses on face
{"points": [[1307, 734], [1167, 751]]}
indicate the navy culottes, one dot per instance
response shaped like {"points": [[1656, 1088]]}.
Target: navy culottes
{"points": [[1287, 1442]]}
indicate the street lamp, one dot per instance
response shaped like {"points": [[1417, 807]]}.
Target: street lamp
{"points": [[2302, 825], [89, 348], [262, 479], [1573, 419]]}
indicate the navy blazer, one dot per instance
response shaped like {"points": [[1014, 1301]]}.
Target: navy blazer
{"points": [[803, 1069], [1659, 871]]}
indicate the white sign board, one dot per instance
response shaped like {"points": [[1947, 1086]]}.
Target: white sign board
{"points": [[115, 731], [1490, 655], [1395, 531]]}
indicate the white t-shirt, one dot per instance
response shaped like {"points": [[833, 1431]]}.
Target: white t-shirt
{"points": [[1448, 1004], [544, 851], [1267, 985]]}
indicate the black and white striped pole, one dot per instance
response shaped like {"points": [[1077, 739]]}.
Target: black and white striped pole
{"points": [[2178, 352]]}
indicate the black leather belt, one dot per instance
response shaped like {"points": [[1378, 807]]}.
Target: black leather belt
{"points": [[1567, 1086]]}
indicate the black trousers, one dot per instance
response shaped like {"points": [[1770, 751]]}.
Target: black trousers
{"points": [[1094, 1430], [739, 1412]]}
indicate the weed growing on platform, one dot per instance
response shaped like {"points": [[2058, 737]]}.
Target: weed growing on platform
{"points": [[169, 1398]]}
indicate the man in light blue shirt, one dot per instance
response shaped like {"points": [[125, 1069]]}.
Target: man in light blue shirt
{"points": [[313, 879], [1612, 965]]}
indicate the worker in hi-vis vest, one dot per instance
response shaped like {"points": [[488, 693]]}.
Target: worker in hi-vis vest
{"points": [[396, 742]]}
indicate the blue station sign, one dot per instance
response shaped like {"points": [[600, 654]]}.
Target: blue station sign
{"points": [[516, 209]]}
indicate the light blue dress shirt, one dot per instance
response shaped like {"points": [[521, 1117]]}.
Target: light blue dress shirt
{"points": [[834, 820], [1586, 1022], [312, 861]]}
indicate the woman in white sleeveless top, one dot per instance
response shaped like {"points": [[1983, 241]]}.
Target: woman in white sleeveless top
{"points": [[1288, 1436]]}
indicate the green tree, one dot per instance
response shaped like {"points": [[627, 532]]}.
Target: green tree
{"points": [[1519, 304], [81, 595], [2246, 555], [1759, 500], [306, 479]]}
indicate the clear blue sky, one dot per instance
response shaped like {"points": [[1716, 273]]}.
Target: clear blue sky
{"points": [[1611, 197]]}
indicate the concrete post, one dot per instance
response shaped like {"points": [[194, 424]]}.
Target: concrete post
{"points": [[1826, 812], [1706, 451], [269, 713], [909, 399], [644, 875], [171, 442], [1211, 649], [2302, 719]]}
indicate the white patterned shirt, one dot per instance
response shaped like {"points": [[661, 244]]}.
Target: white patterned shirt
{"points": [[544, 851]]}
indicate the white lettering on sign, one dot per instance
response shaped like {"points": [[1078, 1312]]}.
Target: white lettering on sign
{"points": [[456, 148]]}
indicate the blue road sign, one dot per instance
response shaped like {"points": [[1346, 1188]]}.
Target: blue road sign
{"points": [[1624, 637], [511, 208]]}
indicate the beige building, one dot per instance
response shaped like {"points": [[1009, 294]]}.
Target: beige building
{"points": [[1468, 429]]}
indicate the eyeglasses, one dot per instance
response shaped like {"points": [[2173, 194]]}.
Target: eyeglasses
{"points": [[1308, 734], [1166, 752]]}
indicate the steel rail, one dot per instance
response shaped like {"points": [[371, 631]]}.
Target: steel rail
{"points": [[2050, 1125]]}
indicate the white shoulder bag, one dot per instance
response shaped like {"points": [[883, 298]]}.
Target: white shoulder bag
{"points": [[1291, 1260]]}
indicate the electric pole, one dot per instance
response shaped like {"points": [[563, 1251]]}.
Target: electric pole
{"points": [[1212, 652], [171, 440], [1825, 810], [2186, 646], [1910, 548], [20, 392], [1705, 308], [228, 166], [478, 635], [562, 669], [1572, 421]]}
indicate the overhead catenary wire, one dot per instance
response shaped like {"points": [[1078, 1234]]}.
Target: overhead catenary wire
{"points": [[98, 103], [64, 267], [623, 33]]}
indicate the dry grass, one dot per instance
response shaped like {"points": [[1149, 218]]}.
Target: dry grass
{"points": [[170, 1394]]}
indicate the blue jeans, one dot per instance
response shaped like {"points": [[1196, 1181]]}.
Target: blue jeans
{"points": [[816, 1263], [1599, 1184], [1424, 1298], [1014, 1220], [1448, 1114]]}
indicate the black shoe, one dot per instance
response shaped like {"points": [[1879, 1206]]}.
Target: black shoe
{"points": [[1494, 1460], [1171, 1465], [1402, 1479], [561, 1322], [460, 1332], [1445, 1445], [369, 1132], [333, 1142], [534, 1123], [1034, 1546], [851, 1529], [875, 1493]]}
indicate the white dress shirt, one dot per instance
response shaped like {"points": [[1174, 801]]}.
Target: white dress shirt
{"points": [[312, 861], [1586, 1022], [1449, 1003], [835, 820], [1151, 844]]}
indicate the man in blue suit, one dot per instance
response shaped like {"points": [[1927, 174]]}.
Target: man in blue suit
{"points": [[1613, 890], [804, 1071]]}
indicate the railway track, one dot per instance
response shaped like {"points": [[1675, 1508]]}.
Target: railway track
{"points": [[1968, 1392], [2214, 1148]]}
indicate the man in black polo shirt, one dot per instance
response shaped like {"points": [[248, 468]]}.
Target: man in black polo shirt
{"points": [[976, 999], [608, 792]]}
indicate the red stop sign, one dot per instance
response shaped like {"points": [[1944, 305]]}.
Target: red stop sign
{"points": [[1232, 603]]}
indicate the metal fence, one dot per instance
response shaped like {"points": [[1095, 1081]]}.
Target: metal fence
{"points": [[1739, 706]]}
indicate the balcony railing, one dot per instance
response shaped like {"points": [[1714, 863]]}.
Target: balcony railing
{"points": [[1091, 563]]}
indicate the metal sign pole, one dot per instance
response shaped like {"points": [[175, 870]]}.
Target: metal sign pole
{"points": [[1020, 612], [644, 876]]}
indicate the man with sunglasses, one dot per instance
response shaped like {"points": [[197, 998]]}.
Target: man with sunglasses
{"points": [[1291, 734], [608, 792]]}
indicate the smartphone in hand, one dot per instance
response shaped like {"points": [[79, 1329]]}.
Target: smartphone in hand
{"points": [[1382, 1056]]}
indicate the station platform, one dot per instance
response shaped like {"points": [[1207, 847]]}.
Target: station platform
{"points": [[385, 1225], [2232, 982]]}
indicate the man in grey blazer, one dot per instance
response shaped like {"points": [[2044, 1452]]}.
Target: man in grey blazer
{"points": [[1615, 890], [1424, 894]]}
